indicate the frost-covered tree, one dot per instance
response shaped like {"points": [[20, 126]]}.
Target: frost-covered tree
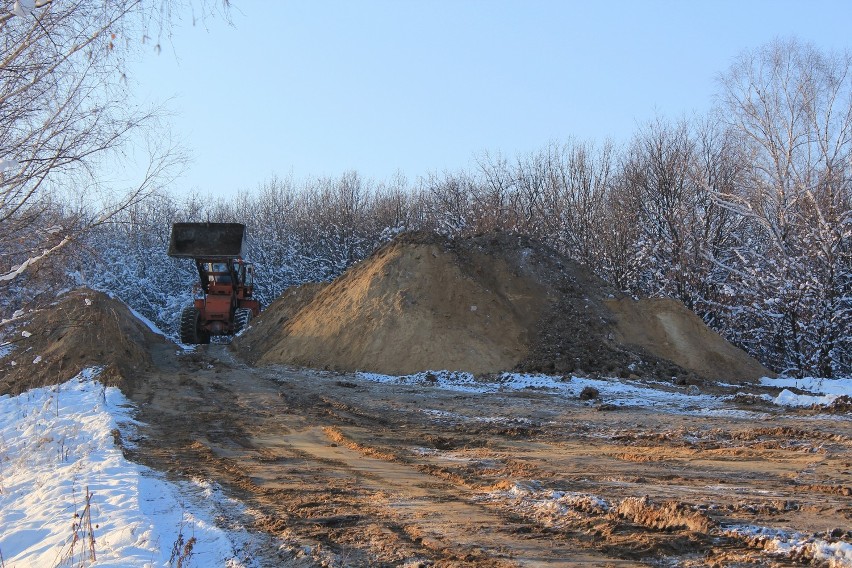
{"points": [[63, 110], [790, 107], [671, 169]]}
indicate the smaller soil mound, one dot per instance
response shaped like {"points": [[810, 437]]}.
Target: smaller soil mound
{"points": [[83, 329], [665, 328]]}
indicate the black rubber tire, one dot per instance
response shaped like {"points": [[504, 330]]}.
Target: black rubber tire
{"points": [[242, 318], [189, 334]]}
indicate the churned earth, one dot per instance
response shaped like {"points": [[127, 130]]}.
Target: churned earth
{"points": [[431, 470]]}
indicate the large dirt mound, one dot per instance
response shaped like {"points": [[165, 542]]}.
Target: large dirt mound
{"points": [[264, 332], [418, 303], [83, 328], [483, 304]]}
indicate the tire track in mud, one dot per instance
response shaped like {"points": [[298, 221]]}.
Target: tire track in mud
{"points": [[340, 472], [247, 440], [435, 511]]}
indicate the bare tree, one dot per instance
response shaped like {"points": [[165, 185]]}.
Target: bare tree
{"points": [[63, 114], [791, 108]]}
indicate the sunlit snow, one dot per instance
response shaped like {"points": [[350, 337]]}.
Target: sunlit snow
{"points": [[56, 443], [818, 391], [622, 392]]}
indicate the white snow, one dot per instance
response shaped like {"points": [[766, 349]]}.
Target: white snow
{"points": [[56, 443], [19, 269], [151, 325], [837, 554], [550, 507], [619, 392], [623, 392], [821, 391]]}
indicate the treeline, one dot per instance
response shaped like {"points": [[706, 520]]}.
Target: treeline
{"points": [[744, 215]]}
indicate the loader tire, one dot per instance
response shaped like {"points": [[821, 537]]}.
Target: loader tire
{"points": [[189, 333], [242, 317]]}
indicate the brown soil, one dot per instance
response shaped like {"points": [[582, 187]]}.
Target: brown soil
{"points": [[419, 303], [485, 304], [667, 329], [82, 329], [265, 330], [338, 471]]}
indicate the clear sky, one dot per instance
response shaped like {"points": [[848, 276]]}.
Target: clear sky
{"points": [[315, 87]]}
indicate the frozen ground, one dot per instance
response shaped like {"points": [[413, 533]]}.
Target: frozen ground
{"points": [[626, 393]]}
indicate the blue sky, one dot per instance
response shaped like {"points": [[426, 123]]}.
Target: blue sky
{"points": [[316, 88]]}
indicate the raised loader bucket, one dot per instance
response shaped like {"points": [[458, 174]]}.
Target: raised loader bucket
{"points": [[207, 240]]}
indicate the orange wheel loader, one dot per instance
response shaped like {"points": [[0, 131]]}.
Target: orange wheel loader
{"points": [[223, 302]]}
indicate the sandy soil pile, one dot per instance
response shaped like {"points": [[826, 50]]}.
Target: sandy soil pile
{"points": [[667, 329], [484, 304], [84, 328], [264, 331], [420, 302]]}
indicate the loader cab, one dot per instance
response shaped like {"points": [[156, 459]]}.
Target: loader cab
{"points": [[217, 277], [227, 276], [217, 273], [245, 276]]}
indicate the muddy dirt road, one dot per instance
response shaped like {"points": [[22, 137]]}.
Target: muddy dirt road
{"points": [[339, 471]]}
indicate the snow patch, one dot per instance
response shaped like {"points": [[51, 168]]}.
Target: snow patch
{"points": [[551, 508], [151, 325], [618, 392], [820, 391], [836, 554], [57, 444]]}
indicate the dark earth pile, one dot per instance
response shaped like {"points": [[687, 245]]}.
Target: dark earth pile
{"points": [[82, 329]]}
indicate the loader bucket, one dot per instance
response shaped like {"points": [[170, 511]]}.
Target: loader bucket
{"points": [[207, 240]]}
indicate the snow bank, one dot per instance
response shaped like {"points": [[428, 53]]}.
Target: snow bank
{"points": [[821, 391], [56, 443]]}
